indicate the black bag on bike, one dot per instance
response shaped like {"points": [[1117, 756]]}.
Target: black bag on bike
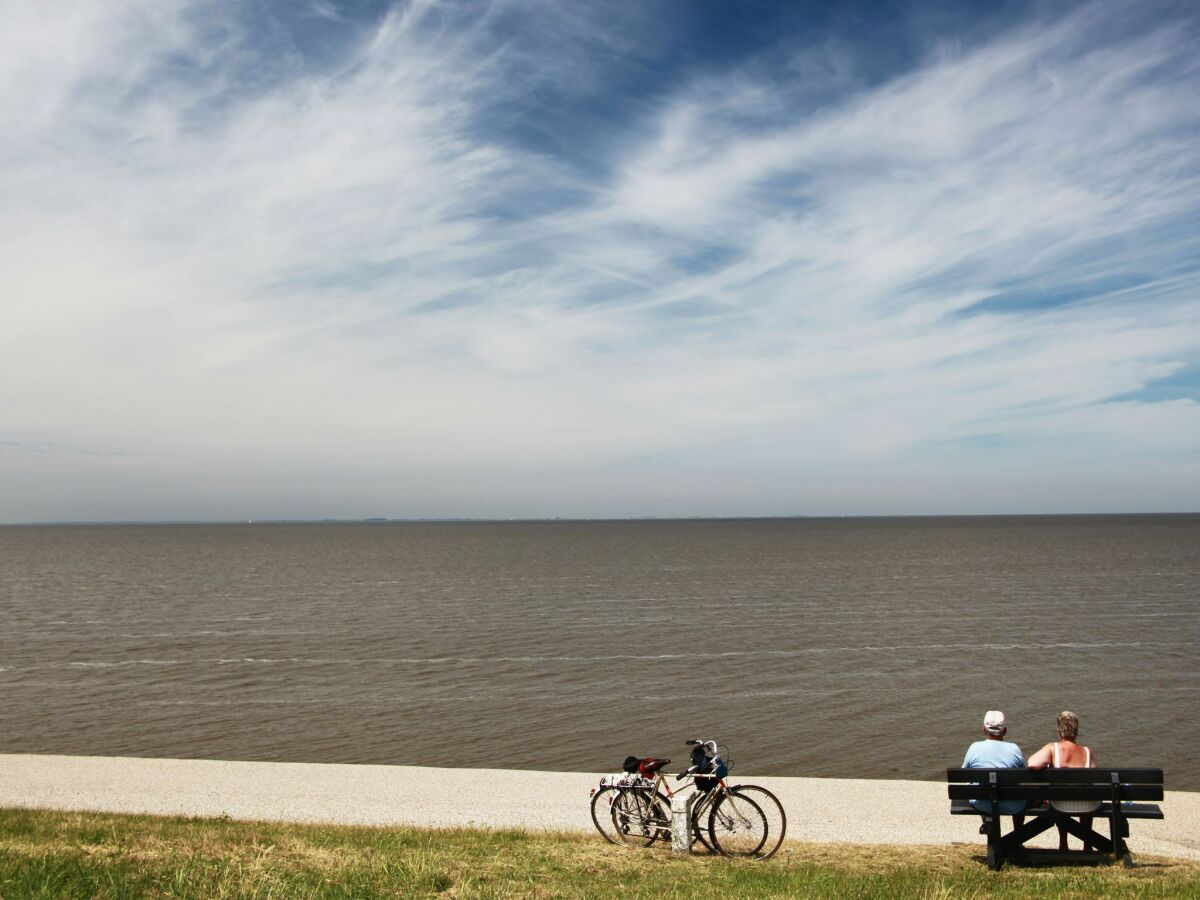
{"points": [[706, 775]]}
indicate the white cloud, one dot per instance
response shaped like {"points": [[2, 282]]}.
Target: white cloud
{"points": [[237, 287]]}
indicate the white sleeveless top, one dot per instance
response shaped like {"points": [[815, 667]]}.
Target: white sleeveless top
{"points": [[1075, 807]]}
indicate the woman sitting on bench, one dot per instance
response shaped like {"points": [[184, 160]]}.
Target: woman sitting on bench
{"points": [[1065, 753]]}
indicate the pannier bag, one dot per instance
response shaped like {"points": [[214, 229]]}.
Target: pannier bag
{"points": [[625, 780]]}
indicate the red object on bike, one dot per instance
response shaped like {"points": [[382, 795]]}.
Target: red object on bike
{"points": [[650, 765]]}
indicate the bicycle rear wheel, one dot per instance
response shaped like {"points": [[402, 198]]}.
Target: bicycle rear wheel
{"points": [[737, 826], [602, 818], [641, 817]]}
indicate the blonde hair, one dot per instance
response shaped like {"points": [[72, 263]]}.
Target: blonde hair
{"points": [[1068, 725]]}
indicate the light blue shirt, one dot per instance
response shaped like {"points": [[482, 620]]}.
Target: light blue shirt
{"points": [[993, 755], [989, 754]]}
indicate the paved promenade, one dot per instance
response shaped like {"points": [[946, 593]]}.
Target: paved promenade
{"points": [[819, 809]]}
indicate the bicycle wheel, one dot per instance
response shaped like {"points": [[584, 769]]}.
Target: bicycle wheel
{"points": [[641, 817], [700, 809], [772, 809], [737, 826], [602, 818]]}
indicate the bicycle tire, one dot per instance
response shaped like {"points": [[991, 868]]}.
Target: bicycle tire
{"points": [[640, 817], [602, 813], [773, 810], [699, 828], [737, 826]]}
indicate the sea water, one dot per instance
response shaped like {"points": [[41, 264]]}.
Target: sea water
{"points": [[860, 648]]}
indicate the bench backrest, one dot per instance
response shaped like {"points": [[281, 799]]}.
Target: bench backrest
{"points": [[1110, 783]]}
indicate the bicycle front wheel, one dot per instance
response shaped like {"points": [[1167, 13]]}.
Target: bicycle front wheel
{"points": [[737, 826], [772, 810], [641, 817]]}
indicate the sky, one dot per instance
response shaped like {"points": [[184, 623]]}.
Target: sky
{"points": [[527, 258]]}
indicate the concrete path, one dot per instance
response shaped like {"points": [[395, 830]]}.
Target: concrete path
{"points": [[819, 809]]}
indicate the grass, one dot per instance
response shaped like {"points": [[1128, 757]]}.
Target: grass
{"points": [[57, 854]]}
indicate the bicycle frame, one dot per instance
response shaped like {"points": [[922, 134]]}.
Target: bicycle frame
{"points": [[709, 798]]}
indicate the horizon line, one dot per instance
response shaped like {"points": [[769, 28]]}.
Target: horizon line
{"points": [[417, 520]]}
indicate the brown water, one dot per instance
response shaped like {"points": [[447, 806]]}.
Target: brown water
{"points": [[865, 648]]}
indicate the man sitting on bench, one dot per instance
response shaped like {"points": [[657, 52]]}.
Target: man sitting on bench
{"points": [[996, 753]]}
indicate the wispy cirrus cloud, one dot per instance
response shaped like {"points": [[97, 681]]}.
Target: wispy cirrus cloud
{"points": [[452, 259]]}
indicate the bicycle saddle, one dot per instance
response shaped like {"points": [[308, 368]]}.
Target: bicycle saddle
{"points": [[652, 764]]}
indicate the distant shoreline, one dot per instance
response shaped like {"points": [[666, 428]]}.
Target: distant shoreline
{"points": [[535, 520]]}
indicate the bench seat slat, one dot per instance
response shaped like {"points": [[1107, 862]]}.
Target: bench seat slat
{"points": [[1039, 792], [1058, 776], [1129, 810]]}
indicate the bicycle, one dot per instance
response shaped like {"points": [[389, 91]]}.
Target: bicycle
{"points": [[742, 820], [633, 797]]}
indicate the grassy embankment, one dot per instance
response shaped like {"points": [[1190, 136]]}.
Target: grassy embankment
{"points": [[53, 854]]}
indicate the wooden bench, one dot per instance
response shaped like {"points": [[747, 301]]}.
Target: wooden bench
{"points": [[1122, 794]]}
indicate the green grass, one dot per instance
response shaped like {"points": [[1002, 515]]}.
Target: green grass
{"points": [[55, 854]]}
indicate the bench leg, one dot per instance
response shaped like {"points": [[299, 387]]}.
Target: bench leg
{"points": [[1119, 828], [1015, 839], [994, 859], [995, 850], [1089, 836]]}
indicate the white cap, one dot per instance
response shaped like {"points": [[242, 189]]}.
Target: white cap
{"points": [[993, 722]]}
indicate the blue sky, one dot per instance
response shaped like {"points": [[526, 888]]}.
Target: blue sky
{"points": [[509, 259]]}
